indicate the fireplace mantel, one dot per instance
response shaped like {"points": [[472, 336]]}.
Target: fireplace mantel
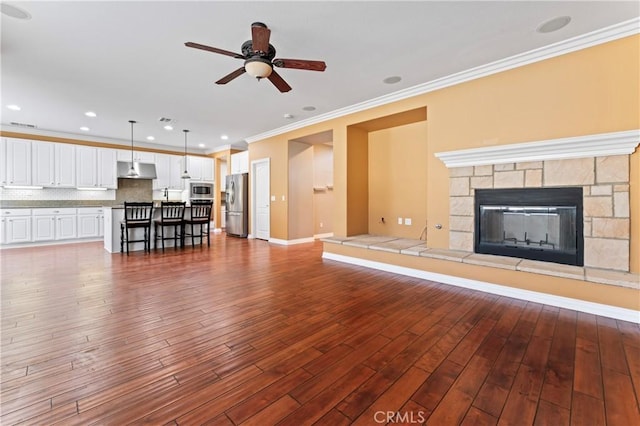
{"points": [[598, 145]]}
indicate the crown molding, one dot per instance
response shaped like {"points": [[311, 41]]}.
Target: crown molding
{"points": [[604, 35], [599, 145]]}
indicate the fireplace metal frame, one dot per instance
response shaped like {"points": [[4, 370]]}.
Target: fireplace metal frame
{"points": [[522, 197]]}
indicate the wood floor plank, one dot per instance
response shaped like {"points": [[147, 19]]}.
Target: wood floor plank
{"points": [[250, 332]]}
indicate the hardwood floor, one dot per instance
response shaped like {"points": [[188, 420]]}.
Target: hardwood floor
{"points": [[250, 333]]}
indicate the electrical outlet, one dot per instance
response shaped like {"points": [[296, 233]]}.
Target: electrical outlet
{"points": [[273, 198], [399, 221], [321, 224], [407, 221]]}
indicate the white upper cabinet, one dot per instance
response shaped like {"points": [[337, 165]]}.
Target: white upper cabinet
{"points": [[65, 165], [43, 163], [18, 161], [138, 156], [86, 166], [107, 168], [169, 170], [3, 162], [96, 167], [240, 162], [53, 164], [200, 168]]}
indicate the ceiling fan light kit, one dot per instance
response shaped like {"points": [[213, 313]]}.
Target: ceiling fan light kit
{"points": [[258, 67], [259, 60]]}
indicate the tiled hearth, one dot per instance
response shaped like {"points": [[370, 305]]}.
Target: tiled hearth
{"points": [[419, 248]]}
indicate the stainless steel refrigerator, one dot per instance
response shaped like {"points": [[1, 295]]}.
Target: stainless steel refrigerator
{"points": [[237, 199]]}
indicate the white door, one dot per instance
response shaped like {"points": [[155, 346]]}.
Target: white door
{"points": [[261, 198], [65, 165]]}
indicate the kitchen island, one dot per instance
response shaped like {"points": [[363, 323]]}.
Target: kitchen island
{"points": [[114, 215]]}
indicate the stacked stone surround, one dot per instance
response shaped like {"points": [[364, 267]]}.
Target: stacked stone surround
{"points": [[605, 183]]}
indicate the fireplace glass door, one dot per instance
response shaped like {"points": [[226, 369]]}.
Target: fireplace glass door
{"points": [[530, 227], [541, 225]]}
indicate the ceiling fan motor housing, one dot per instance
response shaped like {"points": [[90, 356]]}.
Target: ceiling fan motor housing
{"points": [[248, 52]]}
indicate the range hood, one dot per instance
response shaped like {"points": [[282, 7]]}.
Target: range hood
{"points": [[144, 170]]}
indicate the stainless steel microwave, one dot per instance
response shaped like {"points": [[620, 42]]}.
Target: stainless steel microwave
{"points": [[200, 190]]}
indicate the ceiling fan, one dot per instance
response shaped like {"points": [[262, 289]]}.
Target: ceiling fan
{"points": [[259, 60]]}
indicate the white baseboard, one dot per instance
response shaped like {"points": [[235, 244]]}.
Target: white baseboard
{"points": [[291, 242], [325, 235], [516, 293]]}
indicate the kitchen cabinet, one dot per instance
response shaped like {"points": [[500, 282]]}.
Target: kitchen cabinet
{"points": [[54, 224], [16, 226], [107, 168], [200, 168], [18, 161], [138, 156], [96, 167], [90, 222], [53, 164], [3, 163], [240, 162], [169, 171]]}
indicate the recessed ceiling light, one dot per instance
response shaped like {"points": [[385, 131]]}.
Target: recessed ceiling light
{"points": [[392, 80], [90, 114], [84, 128], [201, 145], [14, 12], [309, 108], [288, 116], [554, 24], [151, 138], [14, 107], [224, 137], [168, 127]]}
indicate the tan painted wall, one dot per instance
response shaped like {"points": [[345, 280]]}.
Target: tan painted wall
{"points": [[357, 181], [300, 190], [398, 180], [323, 199], [595, 90]]}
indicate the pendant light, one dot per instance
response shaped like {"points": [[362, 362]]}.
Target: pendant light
{"points": [[185, 174], [132, 171]]}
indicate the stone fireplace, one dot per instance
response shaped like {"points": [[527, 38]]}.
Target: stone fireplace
{"points": [[575, 164]]}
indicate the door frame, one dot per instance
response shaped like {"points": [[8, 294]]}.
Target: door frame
{"points": [[253, 187]]}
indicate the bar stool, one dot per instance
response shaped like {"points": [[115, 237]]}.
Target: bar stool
{"points": [[200, 215], [136, 215], [171, 215]]}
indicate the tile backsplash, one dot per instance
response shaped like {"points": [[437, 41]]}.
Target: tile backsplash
{"points": [[128, 190]]}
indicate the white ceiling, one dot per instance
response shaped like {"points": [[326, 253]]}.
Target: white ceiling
{"points": [[127, 60]]}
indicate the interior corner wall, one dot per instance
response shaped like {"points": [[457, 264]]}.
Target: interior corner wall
{"points": [[398, 180], [300, 191], [275, 149], [323, 199], [357, 181]]}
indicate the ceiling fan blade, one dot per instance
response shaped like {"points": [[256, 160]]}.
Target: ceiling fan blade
{"points": [[214, 50], [260, 38], [279, 82], [300, 64], [227, 78]]}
